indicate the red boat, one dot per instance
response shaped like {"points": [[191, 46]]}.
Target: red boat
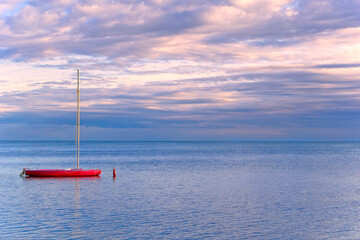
{"points": [[62, 172], [67, 172]]}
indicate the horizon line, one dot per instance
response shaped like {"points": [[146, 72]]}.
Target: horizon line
{"points": [[49, 140]]}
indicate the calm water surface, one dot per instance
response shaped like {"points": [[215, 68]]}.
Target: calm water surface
{"points": [[183, 190]]}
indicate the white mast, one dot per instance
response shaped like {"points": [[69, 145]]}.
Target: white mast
{"points": [[78, 118]]}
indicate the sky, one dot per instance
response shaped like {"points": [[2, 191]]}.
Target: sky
{"points": [[230, 70]]}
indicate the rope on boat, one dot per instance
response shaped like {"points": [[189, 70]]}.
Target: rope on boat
{"points": [[22, 174]]}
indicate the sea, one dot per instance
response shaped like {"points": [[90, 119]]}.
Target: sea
{"points": [[182, 190]]}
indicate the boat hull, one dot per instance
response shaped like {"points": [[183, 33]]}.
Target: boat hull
{"points": [[62, 172]]}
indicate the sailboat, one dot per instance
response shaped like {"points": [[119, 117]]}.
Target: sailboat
{"points": [[77, 172]]}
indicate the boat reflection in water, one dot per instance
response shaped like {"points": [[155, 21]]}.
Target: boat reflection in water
{"points": [[68, 200]]}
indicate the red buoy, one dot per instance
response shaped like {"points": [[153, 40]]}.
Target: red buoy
{"points": [[114, 172]]}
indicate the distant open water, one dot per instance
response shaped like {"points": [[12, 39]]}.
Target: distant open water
{"points": [[183, 190]]}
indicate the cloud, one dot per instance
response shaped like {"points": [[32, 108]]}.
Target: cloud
{"points": [[30, 20], [125, 32], [288, 21], [258, 100], [270, 66], [338, 65]]}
